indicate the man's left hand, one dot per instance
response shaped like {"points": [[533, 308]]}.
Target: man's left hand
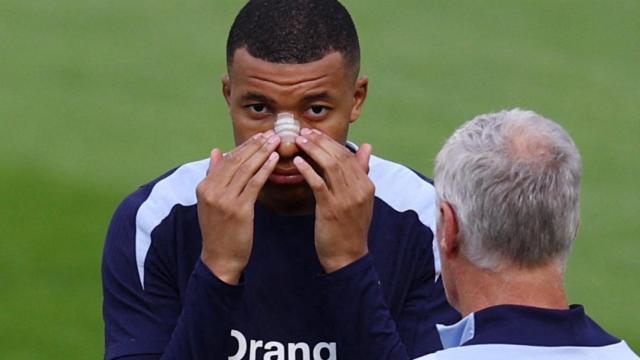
{"points": [[344, 197]]}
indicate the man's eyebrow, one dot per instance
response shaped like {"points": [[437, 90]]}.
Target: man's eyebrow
{"points": [[254, 96], [318, 96]]}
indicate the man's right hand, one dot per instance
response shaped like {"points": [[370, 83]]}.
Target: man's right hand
{"points": [[226, 199]]}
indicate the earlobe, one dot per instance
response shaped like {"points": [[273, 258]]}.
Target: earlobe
{"points": [[226, 88], [359, 96], [443, 243]]}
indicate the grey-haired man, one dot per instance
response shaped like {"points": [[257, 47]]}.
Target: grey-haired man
{"points": [[508, 186]]}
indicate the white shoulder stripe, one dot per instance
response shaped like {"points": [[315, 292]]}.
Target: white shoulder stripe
{"points": [[404, 190], [395, 184], [177, 188]]}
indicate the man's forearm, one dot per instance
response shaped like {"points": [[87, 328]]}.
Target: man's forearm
{"points": [[354, 301], [203, 329]]}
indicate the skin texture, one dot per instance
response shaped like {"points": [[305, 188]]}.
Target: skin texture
{"points": [[315, 174], [470, 288]]}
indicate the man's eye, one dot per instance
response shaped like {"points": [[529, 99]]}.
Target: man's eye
{"points": [[258, 108], [317, 110]]}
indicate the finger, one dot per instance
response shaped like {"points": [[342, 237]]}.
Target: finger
{"points": [[351, 171], [326, 142], [235, 158], [363, 155], [330, 164], [252, 164], [315, 181], [214, 158], [256, 183], [250, 145], [255, 140]]}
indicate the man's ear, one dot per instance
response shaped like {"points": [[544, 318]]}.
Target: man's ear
{"points": [[226, 88], [449, 241], [359, 96]]}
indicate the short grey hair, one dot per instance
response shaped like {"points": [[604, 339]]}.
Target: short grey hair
{"points": [[513, 179]]}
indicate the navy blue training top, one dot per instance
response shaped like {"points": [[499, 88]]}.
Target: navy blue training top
{"points": [[161, 301], [510, 332]]}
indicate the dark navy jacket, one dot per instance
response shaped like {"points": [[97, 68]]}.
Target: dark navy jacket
{"points": [[512, 332], [160, 299]]}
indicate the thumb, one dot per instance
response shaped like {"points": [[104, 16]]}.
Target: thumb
{"points": [[363, 155]]}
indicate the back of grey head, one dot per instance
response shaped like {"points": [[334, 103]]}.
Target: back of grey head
{"points": [[513, 178]]}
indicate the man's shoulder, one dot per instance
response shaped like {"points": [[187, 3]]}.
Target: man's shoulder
{"points": [[138, 215], [151, 203], [404, 189], [176, 186], [516, 331], [618, 351]]}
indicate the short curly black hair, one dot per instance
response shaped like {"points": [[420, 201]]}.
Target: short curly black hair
{"points": [[294, 31]]}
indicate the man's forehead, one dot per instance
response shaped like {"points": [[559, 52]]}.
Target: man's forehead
{"points": [[245, 66]]}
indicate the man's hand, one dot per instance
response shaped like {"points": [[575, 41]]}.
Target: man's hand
{"points": [[226, 199], [344, 197]]}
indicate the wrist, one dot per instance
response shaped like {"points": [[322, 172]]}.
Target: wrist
{"points": [[227, 271], [334, 263]]}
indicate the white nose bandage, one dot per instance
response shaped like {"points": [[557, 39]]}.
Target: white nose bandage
{"points": [[287, 127]]}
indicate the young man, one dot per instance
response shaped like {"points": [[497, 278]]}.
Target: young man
{"points": [[508, 189], [244, 255]]}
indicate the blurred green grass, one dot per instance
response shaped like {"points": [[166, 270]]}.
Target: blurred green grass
{"points": [[97, 98]]}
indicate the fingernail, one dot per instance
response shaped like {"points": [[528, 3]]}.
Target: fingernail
{"points": [[269, 133], [273, 139], [302, 140], [257, 136], [317, 131], [273, 156], [305, 131], [298, 160]]}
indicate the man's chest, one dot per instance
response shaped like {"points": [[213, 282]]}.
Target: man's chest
{"points": [[281, 323], [281, 314]]}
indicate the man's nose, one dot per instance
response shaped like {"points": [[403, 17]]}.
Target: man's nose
{"points": [[288, 149]]}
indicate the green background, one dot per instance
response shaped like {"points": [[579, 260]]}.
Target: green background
{"points": [[98, 97]]}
